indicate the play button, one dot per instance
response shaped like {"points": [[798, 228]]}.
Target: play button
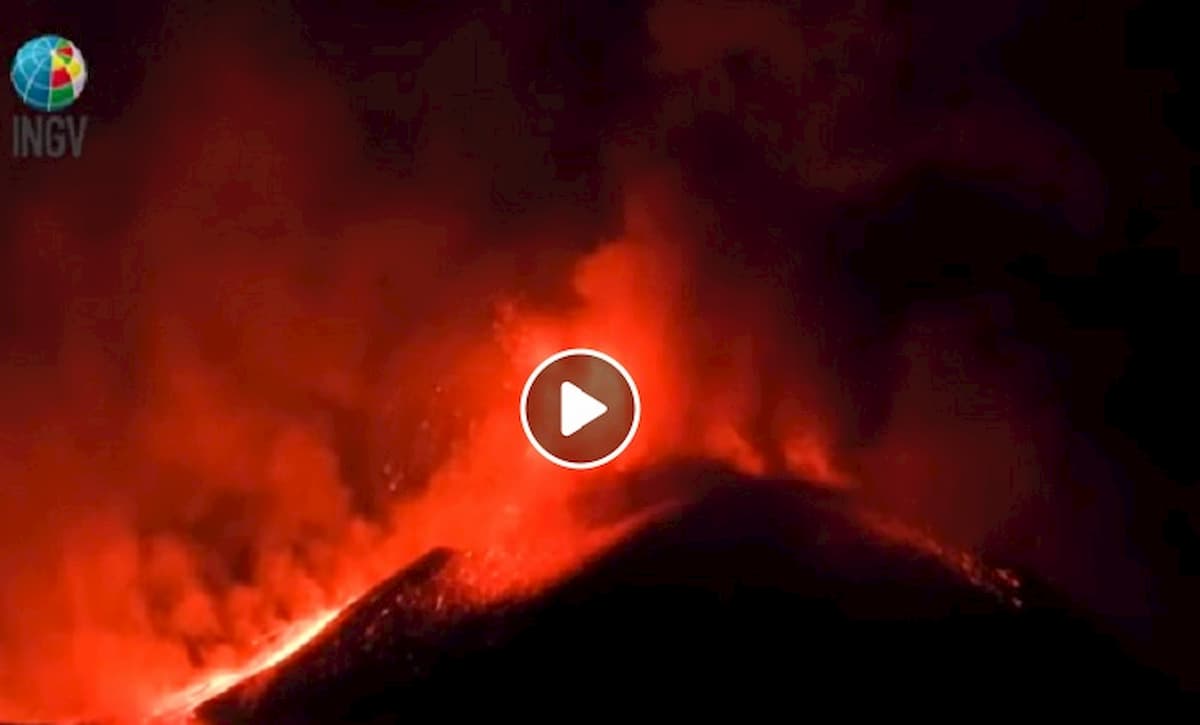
{"points": [[580, 408], [577, 409]]}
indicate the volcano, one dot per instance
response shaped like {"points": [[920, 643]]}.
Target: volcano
{"points": [[757, 594]]}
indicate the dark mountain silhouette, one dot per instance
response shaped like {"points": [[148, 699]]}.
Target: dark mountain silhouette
{"points": [[759, 595]]}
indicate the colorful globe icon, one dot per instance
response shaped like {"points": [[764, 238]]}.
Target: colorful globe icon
{"points": [[48, 73]]}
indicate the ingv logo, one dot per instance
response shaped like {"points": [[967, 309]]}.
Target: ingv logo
{"points": [[48, 73]]}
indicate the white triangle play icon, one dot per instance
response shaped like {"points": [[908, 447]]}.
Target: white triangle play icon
{"points": [[577, 409]]}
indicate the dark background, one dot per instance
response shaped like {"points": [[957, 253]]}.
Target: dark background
{"points": [[1098, 277]]}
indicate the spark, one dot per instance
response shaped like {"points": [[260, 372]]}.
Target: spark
{"points": [[1001, 583]]}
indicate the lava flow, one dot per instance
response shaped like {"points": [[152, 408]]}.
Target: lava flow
{"points": [[178, 706]]}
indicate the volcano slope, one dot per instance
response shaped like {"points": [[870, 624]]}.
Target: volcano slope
{"points": [[758, 594]]}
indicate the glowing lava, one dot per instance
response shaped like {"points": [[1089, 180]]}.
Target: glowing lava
{"points": [[178, 706]]}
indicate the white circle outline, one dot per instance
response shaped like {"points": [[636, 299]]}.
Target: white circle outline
{"points": [[603, 357]]}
